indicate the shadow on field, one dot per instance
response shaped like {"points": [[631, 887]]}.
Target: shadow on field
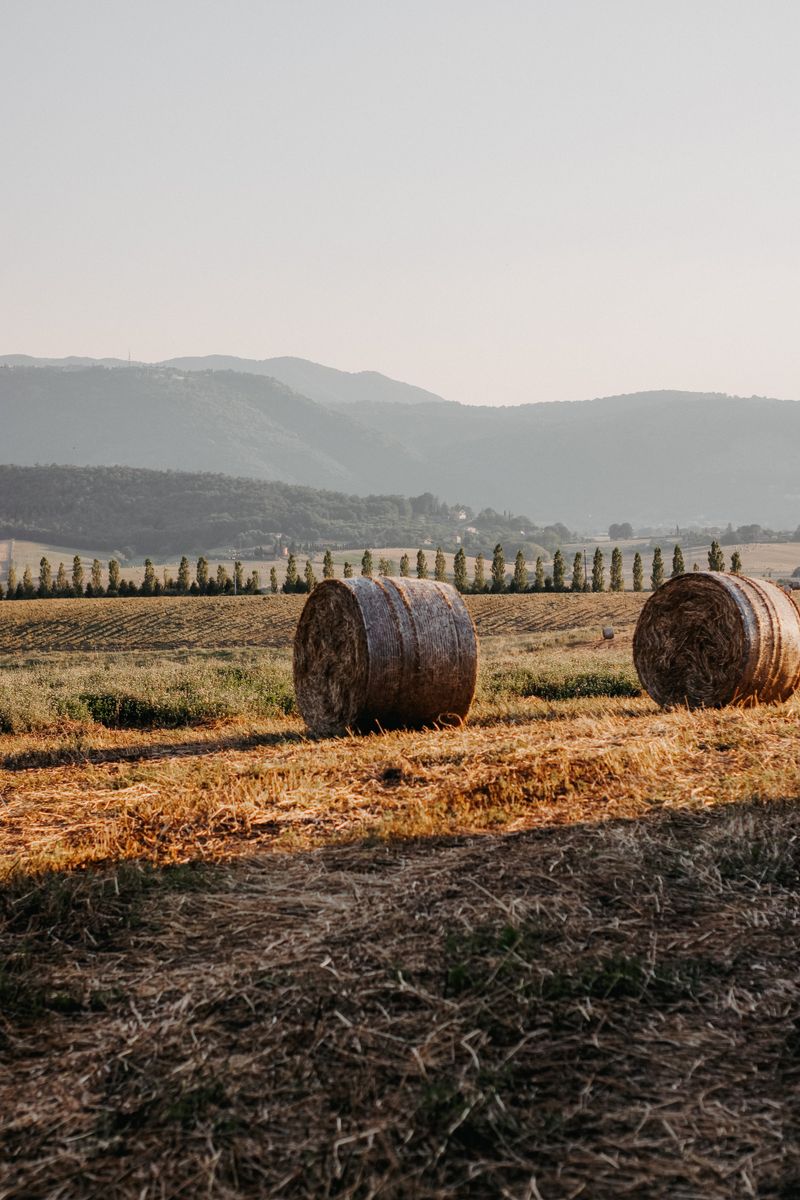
{"points": [[62, 756], [603, 1009]]}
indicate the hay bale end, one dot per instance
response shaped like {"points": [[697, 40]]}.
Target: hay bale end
{"points": [[384, 654], [707, 639]]}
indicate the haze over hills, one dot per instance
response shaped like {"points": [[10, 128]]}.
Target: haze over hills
{"points": [[326, 385], [650, 458]]}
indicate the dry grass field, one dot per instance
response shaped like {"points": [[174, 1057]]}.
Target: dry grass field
{"points": [[549, 954]]}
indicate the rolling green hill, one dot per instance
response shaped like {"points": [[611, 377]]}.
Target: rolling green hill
{"points": [[139, 512]]}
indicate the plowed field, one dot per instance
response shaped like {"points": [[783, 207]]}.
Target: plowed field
{"points": [[174, 623]]}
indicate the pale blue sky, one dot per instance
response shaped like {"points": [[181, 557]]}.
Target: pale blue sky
{"points": [[504, 201]]}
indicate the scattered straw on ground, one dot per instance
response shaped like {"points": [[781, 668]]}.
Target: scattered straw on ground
{"points": [[549, 954], [591, 1010]]}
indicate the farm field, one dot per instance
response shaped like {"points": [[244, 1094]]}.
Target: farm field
{"points": [[551, 953], [173, 622]]}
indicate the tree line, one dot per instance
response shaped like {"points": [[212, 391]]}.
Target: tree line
{"points": [[128, 512], [107, 581], [496, 580]]}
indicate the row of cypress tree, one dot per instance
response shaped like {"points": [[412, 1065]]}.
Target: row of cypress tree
{"points": [[109, 581], [498, 581], [205, 583]]}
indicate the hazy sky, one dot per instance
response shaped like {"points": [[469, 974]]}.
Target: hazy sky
{"points": [[502, 201]]}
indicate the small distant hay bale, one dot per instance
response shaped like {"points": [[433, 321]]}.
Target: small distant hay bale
{"points": [[707, 639], [384, 654]]}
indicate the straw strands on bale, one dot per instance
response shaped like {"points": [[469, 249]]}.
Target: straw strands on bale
{"points": [[707, 639], [383, 654]]}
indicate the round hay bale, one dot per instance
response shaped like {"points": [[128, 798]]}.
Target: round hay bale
{"points": [[384, 654], [707, 639]]}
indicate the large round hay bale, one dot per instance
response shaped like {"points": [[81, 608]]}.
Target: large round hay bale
{"points": [[384, 654], [707, 639]]}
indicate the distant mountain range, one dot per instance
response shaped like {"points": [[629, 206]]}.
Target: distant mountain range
{"points": [[326, 385], [647, 458]]}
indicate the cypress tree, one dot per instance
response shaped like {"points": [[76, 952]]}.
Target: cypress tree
{"points": [[62, 583], [716, 559], [27, 582], [385, 567], [113, 577], [657, 572], [538, 574], [348, 570], [558, 571], [696, 567], [238, 576], [311, 579], [577, 573], [148, 587], [253, 585], [11, 582], [2, 592], [478, 577], [678, 565], [520, 580], [598, 572], [45, 578], [736, 563], [498, 569], [201, 574], [273, 581], [460, 570], [638, 573], [617, 580], [96, 577], [327, 565], [422, 565], [184, 579], [77, 575], [440, 565], [223, 579], [291, 580], [366, 564], [405, 566]]}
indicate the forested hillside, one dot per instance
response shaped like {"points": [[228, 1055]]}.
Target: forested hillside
{"points": [[139, 512], [652, 459], [208, 421]]}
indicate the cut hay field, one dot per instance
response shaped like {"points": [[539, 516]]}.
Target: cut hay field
{"points": [[549, 954], [172, 623]]}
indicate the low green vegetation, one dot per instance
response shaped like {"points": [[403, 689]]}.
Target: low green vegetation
{"points": [[553, 673], [142, 690], [563, 682]]}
